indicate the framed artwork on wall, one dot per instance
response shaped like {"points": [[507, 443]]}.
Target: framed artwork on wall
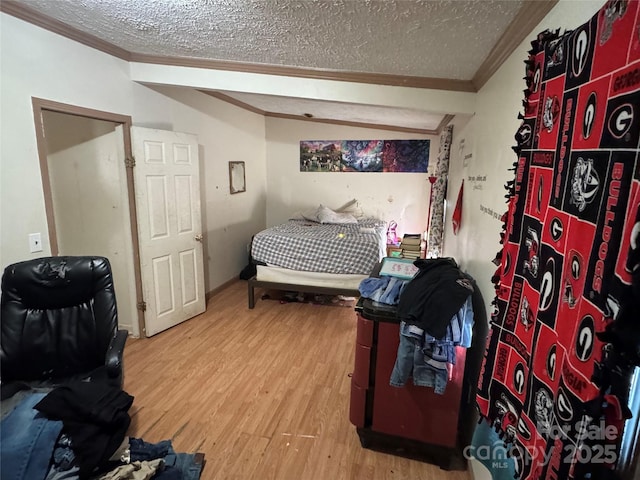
{"points": [[236, 177], [410, 156]]}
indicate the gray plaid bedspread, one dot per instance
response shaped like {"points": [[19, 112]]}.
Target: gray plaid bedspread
{"points": [[316, 247]]}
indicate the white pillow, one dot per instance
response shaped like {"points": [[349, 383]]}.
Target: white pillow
{"points": [[326, 215]]}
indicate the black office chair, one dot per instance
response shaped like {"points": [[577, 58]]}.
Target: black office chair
{"points": [[59, 322]]}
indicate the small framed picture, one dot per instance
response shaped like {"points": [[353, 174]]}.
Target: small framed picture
{"points": [[236, 177]]}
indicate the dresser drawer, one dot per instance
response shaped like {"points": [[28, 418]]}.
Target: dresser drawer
{"points": [[362, 365], [364, 335], [357, 404]]}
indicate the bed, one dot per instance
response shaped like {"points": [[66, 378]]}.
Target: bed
{"points": [[325, 252]]}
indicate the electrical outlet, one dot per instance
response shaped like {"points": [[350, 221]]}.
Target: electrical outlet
{"points": [[35, 242]]}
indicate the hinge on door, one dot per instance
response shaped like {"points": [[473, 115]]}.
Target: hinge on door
{"points": [[142, 306], [130, 162]]}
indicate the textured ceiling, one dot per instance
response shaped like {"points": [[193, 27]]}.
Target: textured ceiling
{"points": [[446, 39]]}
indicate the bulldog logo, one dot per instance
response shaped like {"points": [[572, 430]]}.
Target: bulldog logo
{"points": [[543, 405], [613, 11], [551, 112], [526, 315], [507, 417], [532, 242], [557, 55], [585, 184]]}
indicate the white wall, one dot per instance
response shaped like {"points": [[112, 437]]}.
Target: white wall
{"points": [[402, 197]]}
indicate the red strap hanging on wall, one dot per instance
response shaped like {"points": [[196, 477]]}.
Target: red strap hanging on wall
{"points": [[457, 212]]}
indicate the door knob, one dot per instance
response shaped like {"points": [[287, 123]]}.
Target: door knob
{"points": [[198, 237]]}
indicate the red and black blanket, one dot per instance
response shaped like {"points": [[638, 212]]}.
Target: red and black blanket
{"points": [[565, 326]]}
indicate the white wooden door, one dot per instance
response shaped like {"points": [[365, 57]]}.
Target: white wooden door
{"points": [[167, 185]]}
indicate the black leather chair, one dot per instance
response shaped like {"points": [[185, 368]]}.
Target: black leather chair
{"points": [[59, 321]]}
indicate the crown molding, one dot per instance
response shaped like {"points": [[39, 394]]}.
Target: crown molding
{"points": [[393, 128], [19, 10], [528, 17], [445, 121], [375, 126], [234, 101]]}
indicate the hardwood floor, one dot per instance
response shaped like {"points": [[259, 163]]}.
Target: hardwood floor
{"points": [[263, 393]]}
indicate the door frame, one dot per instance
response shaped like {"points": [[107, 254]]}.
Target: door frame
{"points": [[40, 105]]}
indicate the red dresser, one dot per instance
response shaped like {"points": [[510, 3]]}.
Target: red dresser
{"points": [[410, 421]]}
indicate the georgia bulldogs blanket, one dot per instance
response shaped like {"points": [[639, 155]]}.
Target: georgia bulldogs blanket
{"points": [[566, 318]]}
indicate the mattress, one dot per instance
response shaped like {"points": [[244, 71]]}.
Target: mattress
{"points": [[314, 279], [315, 247]]}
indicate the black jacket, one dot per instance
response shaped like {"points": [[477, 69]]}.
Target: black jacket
{"points": [[94, 415], [434, 295]]}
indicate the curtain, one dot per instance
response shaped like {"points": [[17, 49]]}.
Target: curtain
{"points": [[438, 196]]}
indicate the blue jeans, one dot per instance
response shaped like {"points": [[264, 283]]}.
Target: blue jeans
{"points": [[185, 463], [410, 361], [27, 438]]}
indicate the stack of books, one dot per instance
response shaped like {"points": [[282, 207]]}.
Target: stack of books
{"points": [[410, 246]]}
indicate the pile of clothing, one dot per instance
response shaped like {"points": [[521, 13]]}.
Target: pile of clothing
{"points": [[436, 313], [436, 316], [385, 290], [78, 431]]}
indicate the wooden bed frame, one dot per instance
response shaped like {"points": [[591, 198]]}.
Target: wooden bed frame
{"points": [[254, 282]]}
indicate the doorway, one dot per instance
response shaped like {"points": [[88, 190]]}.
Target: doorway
{"points": [[89, 196]]}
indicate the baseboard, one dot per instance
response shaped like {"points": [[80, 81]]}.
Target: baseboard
{"points": [[219, 288]]}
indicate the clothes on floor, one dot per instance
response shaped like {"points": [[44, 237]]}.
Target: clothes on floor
{"points": [[72, 474], [184, 466], [36, 447], [122, 453], [141, 450], [95, 417], [63, 461], [144, 470], [28, 439]]}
